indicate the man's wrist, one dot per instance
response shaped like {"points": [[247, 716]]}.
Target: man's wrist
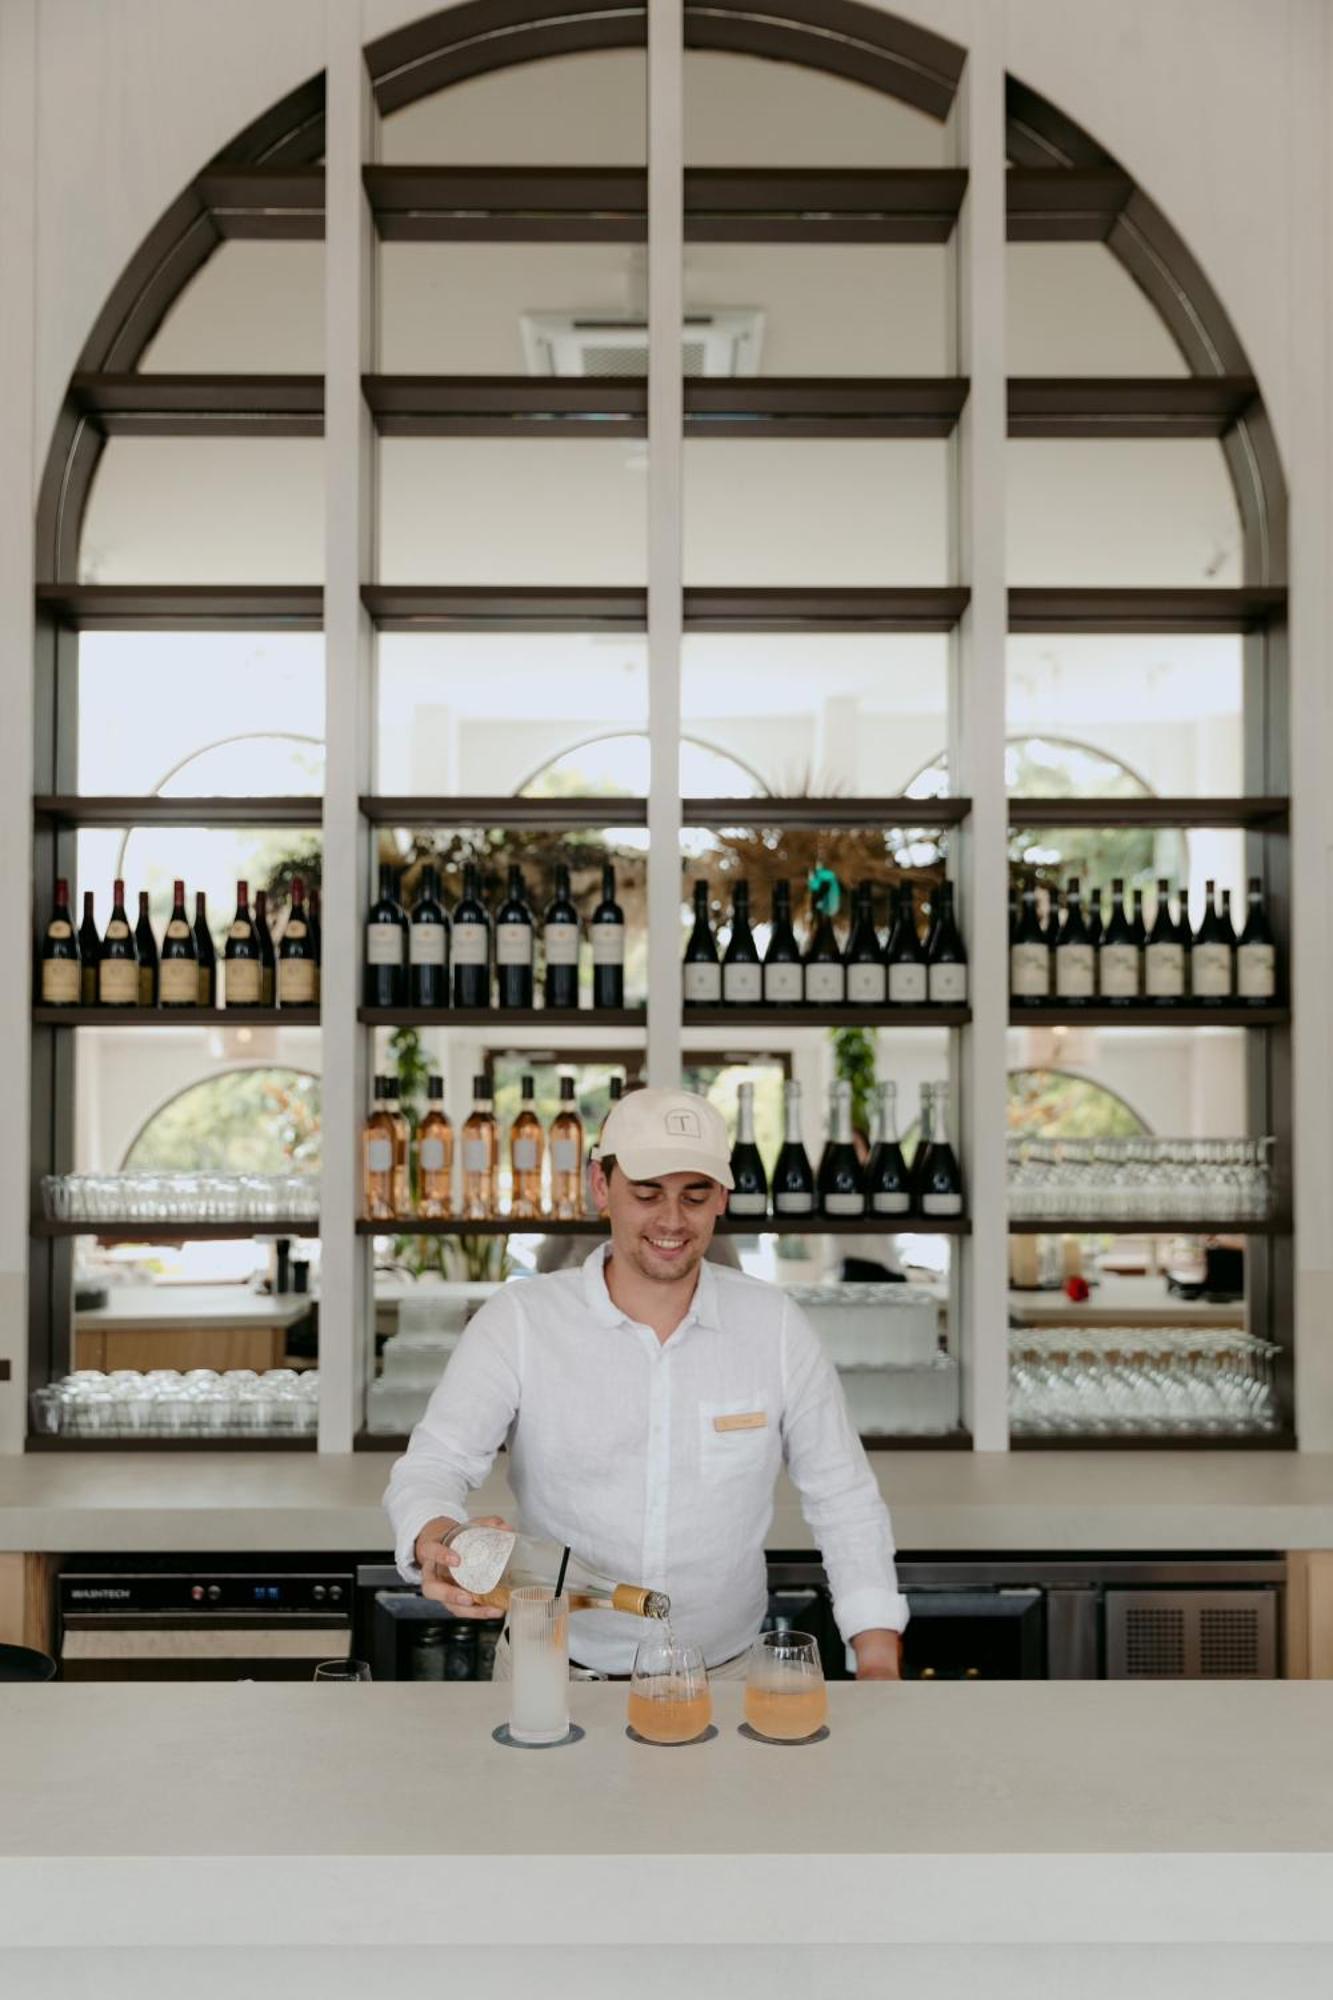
{"points": [[878, 1651]]}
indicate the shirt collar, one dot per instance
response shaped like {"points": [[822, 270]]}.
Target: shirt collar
{"points": [[703, 1306]]}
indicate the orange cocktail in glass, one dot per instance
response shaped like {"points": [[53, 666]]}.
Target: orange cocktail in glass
{"points": [[669, 1701], [785, 1696]]}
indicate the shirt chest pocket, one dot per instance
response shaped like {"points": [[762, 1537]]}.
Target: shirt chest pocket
{"points": [[736, 1439]]}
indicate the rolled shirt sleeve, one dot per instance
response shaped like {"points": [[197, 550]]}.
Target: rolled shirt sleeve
{"points": [[466, 1421], [840, 1498]]}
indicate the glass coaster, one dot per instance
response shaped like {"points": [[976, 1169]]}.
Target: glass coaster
{"points": [[781, 1742], [635, 1737], [501, 1735]]}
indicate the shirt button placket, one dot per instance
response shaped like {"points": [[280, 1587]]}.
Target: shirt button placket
{"points": [[658, 1469]]}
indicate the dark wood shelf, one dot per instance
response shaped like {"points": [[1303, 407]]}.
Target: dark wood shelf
{"points": [[727, 1225], [256, 1442], [1142, 1226], [1064, 204], [1146, 1014], [904, 609], [263, 203], [175, 1017], [824, 406], [1145, 611], [400, 607], [825, 1017], [183, 607], [90, 809], [152, 405], [175, 1232], [1283, 1440], [496, 1018], [495, 1225], [504, 810], [441, 204], [1180, 406], [837, 811], [1272, 814], [822, 204]]}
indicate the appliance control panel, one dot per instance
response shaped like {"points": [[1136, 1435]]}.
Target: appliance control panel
{"points": [[224, 1593]]}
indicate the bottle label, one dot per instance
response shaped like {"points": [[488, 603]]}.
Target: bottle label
{"points": [[747, 1204], [783, 986], [1165, 971], [525, 1156], [179, 982], [379, 1156], [565, 1155], [470, 944], [296, 927], [243, 982], [907, 984], [513, 944], [1212, 971], [867, 985], [608, 944], [703, 983], [844, 1204], [1120, 971], [118, 982], [432, 1156], [942, 1204], [384, 942], [794, 1204], [476, 1156], [296, 982], [178, 928], [1074, 972], [1256, 972], [62, 981], [203, 986], [426, 944], [117, 929], [562, 944], [743, 985], [58, 928], [825, 984], [1029, 971], [890, 1204], [948, 984]]}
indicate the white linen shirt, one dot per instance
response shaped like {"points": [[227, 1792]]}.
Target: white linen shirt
{"points": [[614, 1450]]}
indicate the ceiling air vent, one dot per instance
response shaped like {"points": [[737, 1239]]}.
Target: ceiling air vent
{"points": [[725, 341]]}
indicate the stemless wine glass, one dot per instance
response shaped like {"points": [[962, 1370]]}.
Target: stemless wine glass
{"points": [[785, 1697], [342, 1670], [669, 1701]]}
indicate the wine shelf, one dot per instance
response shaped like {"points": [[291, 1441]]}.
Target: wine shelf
{"points": [[1247, 609], [152, 405], [1064, 204], [727, 1225], [176, 607], [1176, 406], [407, 607], [265, 202], [212, 1442], [1146, 1226], [497, 1018], [1268, 814], [802, 812], [826, 1017], [1145, 1014], [175, 1017], [505, 810], [841, 610], [87, 809], [138, 1231], [1281, 1440]]}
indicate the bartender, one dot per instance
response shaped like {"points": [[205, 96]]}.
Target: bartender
{"points": [[648, 1400]]}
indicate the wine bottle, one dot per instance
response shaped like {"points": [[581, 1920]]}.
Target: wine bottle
{"points": [[946, 958], [888, 1191], [377, 1149], [1118, 954], [1228, 931], [1164, 961], [145, 944], [494, 1562], [742, 974], [1211, 959], [386, 946], [749, 1191], [62, 967], [472, 944], [296, 954], [1094, 919], [178, 978], [792, 1182], [402, 1146], [268, 960], [841, 1189], [435, 1156], [607, 931], [784, 981], [205, 953], [567, 1152], [1075, 959], [316, 942], [905, 954], [825, 973], [867, 973], [527, 1143], [1138, 928], [240, 954], [1256, 954], [560, 945], [925, 1139], [1030, 954], [702, 967], [118, 961], [481, 1153], [428, 945], [515, 936], [940, 1187], [1185, 939], [90, 953]]}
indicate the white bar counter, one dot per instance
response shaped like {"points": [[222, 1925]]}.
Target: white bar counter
{"points": [[147, 1820]]}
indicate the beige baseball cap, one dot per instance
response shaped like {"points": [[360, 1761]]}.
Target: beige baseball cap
{"points": [[654, 1132]]}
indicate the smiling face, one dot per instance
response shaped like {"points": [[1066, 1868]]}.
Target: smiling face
{"points": [[662, 1228]]}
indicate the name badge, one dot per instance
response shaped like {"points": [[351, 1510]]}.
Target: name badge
{"points": [[749, 1420]]}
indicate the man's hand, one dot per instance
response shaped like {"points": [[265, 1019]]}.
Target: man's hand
{"points": [[437, 1564], [879, 1655]]}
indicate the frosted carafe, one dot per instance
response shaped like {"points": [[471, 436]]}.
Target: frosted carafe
{"points": [[495, 1562]]}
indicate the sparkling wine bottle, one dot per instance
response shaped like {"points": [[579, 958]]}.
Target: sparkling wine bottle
{"points": [[940, 1187], [749, 1193], [792, 1182], [841, 1177], [888, 1191]]}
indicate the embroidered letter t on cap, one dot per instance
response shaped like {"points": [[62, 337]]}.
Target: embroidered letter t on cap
{"points": [[650, 1133]]}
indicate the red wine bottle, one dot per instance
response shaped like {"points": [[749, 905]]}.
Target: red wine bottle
{"points": [[146, 946], [205, 954], [62, 970], [178, 976], [242, 958], [296, 955], [118, 968], [90, 952]]}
